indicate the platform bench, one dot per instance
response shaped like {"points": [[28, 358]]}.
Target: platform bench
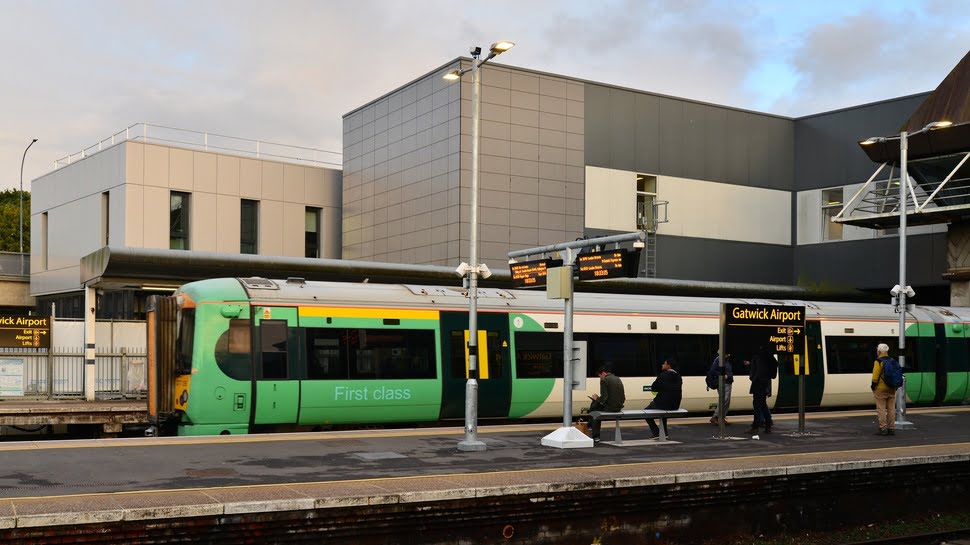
{"points": [[633, 414]]}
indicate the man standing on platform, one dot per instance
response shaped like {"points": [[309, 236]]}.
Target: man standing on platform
{"points": [[764, 367], [884, 394]]}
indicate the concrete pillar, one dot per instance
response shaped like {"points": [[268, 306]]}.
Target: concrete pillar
{"points": [[89, 343], [958, 263]]}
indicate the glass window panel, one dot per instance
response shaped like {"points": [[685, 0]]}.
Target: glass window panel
{"points": [[248, 226], [179, 221]]}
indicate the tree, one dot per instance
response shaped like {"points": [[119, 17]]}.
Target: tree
{"points": [[10, 221]]}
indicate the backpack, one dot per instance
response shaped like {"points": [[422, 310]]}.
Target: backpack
{"points": [[892, 373], [711, 379]]}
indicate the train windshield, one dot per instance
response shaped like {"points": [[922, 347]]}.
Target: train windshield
{"points": [[186, 338]]}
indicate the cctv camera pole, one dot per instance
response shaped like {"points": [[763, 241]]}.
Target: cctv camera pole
{"points": [[901, 421], [471, 442]]}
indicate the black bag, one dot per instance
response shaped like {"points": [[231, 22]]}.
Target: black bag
{"points": [[711, 379]]}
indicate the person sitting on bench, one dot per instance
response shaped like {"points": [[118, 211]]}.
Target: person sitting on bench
{"points": [[668, 389], [610, 399]]}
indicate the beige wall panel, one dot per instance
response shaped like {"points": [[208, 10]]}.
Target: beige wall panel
{"points": [[725, 211], [181, 173], [205, 176], [611, 201], [227, 238], [204, 225], [316, 190], [331, 236], [134, 163], [156, 165], [155, 218], [134, 216], [294, 184], [271, 228], [272, 181], [293, 229], [228, 175], [809, 209], [250, 179]]}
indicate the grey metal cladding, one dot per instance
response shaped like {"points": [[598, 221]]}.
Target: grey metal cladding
{"points": [[629, 130], [597, 136], [826, 149], [646, 112], [873, 263], [687, 258]]}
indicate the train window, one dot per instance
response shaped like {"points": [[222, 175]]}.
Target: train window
{"points": [[538, 355], [186, 338], [233, 350], [694, 353], [272, 336], [626, 354], [856, 354], [334, 353]]}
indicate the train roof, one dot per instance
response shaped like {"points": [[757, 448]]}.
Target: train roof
{"points": [[298, 291]]}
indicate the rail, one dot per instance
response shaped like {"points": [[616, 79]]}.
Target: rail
{"points": [[58, 373], [207, 141]]}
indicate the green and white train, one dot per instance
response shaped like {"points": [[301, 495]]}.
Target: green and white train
{"points": [[253, 354]]}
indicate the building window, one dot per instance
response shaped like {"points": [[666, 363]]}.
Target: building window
{"points": [[646, 196], [43, 241], [831, 206], [178, 232], [105, 218], [248, 226], [312, 232]]}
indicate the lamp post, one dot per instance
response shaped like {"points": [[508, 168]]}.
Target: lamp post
{"points": [[901, 291], [472, 269], [22, 206]]}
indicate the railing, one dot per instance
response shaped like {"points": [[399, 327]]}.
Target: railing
{"points": [[58, 373], [261, 149], [14, 264]]}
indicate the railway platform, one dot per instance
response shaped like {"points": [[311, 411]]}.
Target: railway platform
{"points": [[109, 416], [413, 485]]}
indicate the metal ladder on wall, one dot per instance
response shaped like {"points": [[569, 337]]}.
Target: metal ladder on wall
{"points": [[649, 223]]}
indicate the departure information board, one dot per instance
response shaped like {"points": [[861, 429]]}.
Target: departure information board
{"points": [[602, 265], [531, 274], [25, 332], [780, 327]]}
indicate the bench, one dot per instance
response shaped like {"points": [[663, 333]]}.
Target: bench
{"points": [[632, 414]]}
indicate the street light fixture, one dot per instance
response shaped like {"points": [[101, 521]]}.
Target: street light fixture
{"points": [[901, 291], [24, 158], [471, 442]]}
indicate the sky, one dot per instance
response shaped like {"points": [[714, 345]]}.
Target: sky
{"points": [[73, 73]]}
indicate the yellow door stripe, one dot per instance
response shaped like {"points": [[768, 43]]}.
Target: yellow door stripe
{"points": [[343, 312], [482, 354]]}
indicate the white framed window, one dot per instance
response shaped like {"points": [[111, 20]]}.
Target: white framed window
{"points": [[832, 203]]}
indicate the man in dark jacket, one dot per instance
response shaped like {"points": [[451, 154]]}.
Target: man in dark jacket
{"points": [[668, 389], [764, 367], [610, 399]]}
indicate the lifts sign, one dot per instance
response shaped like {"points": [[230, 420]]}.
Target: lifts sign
{"points": [[781, 327], [25, 332]]}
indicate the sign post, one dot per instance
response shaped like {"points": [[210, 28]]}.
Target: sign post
{"points": [[779, 328], [559, 285]]}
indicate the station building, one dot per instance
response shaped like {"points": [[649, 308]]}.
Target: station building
{"points": [[725, 194], [158, 188]]}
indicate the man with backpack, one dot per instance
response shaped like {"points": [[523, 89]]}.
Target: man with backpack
{"points": [[712, 383], [887, 376], [764, 367]]}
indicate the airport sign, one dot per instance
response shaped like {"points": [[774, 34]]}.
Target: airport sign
{"points": [[25, 332]]}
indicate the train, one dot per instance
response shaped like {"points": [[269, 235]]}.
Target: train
{"points": [[246, 355]]}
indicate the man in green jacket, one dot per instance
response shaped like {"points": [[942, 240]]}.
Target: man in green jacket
{"points": [[610, 398]]}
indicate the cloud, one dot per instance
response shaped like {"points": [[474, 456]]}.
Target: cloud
{"points": [[287, 71]]}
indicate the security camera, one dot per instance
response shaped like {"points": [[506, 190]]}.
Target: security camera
{"points": [[895, 291], [475, 51]]}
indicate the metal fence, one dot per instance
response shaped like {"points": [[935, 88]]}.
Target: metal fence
{"points": [[15, 263], [208, 141], [58, 373]]}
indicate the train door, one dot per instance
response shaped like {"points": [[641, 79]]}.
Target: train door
{"points": [[276, 390], [494, 372], [814, 379], [951, 375]]}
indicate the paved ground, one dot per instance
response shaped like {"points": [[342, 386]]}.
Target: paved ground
{"points": [[67, 468]]}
